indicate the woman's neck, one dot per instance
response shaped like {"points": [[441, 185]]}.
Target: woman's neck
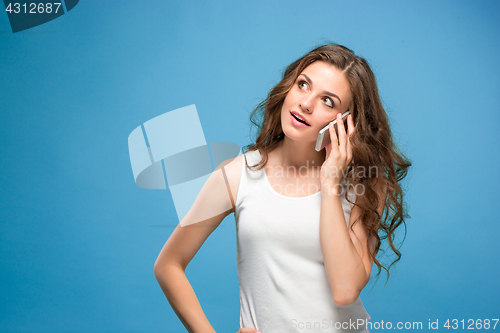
{"points": [[297, 154]]}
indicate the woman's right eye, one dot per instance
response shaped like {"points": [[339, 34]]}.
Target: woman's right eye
{"points": [[303, 85]]}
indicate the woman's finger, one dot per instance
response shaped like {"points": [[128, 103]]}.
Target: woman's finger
{"points": [[350, 125], [342, 132], [349, 150], [333, 138], [350, 129]]}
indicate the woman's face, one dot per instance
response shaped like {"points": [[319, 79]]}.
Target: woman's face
{"points": [[319, 93]]}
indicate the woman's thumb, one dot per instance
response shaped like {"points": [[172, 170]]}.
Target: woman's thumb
{"points": [[248, 330]]}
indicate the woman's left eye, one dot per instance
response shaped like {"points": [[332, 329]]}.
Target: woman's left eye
{"points": [[328, 102]]}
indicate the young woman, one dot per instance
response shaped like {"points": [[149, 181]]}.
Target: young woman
{"points": [[309, 224]]}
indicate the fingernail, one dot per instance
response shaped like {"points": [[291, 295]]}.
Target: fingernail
{"points": [[350, 117], [331, 124]]}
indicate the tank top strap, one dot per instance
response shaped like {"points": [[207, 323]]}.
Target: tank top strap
{"points": [[248, 176]]}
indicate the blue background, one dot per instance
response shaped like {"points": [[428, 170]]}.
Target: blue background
{"points": [[79, 239]]}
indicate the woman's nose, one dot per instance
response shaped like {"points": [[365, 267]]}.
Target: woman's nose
{"points": [[306, 105]]}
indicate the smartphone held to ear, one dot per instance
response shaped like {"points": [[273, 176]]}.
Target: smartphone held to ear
{"points": [[324, 134]]}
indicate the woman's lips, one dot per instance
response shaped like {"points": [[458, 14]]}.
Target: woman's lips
{"points": [[297, 122]]}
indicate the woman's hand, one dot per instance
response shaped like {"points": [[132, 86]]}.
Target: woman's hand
{"points": [[248, 330], [338, 152]]}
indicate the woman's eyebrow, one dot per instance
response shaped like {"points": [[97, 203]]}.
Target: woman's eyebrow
{"points": [[324, 92]]}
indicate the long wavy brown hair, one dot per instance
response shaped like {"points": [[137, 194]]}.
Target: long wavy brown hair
{"points": [[372, 143]]}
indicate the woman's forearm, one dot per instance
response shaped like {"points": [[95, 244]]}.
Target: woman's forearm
{"points": [[181, 296], [344, 266]]}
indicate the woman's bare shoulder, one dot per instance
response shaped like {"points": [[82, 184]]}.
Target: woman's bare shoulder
{"points": [[232, 169]]}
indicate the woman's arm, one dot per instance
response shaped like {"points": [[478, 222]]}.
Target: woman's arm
{"points": [[346, 251], [211, 206]]}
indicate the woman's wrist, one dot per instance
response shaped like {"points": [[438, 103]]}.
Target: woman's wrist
{"points": [[331, 187], [331, 178]]}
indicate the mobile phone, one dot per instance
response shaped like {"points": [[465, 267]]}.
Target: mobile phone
{"points": [[324, 134]]}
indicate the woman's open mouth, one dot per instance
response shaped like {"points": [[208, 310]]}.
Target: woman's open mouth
{"points": [[297, 120]]}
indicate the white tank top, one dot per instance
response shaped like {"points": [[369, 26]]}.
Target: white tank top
{"points": [[282, 277]]}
